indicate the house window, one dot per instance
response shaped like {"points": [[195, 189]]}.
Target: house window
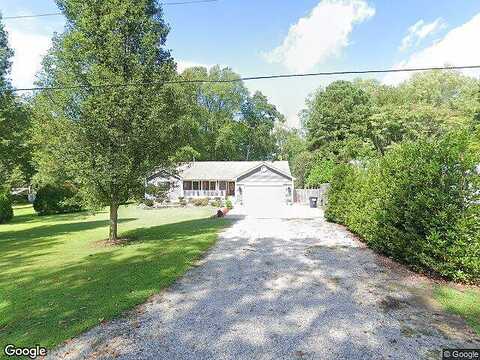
{"points": [[205, 185], [213, 185], [187, 185], [223, 185], [196, 185]]}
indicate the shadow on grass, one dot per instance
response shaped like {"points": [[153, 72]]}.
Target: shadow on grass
{"points": [[49, 305]]}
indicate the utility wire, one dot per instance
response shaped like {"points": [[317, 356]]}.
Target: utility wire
{"points": [[250, 78], [59, 13]]}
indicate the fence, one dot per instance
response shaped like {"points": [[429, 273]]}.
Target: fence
{"points": [[302, 196]]}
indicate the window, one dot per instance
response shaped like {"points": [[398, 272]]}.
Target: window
{"points": [[196, 185], [187, 185], [213, 185], [205, 185], [223, 185]]}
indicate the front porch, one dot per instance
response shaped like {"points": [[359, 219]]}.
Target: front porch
{"points": [[208, 188]]}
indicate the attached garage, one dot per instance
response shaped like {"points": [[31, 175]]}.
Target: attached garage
{"points": [[264, 187]]}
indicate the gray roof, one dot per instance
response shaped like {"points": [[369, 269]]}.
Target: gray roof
{"points": [[226, 170]]}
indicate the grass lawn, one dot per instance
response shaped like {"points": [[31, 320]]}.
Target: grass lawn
{"points": [[57, 280], [464, 303]]}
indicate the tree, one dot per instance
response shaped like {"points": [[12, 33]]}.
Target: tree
{"points": [[337, 120], [15, 167], [226, 122], [108, 138], [290, 143]]}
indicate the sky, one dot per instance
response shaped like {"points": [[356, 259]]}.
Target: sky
{"points": [[265, 37]]}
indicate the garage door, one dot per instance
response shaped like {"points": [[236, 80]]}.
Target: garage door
{"points": [[263, 196]]}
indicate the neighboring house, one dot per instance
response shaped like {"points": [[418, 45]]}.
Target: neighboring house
{"points": [[251, 183]]}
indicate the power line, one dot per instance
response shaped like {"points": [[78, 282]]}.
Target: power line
{"points": [[249, 78], [59, 13]]}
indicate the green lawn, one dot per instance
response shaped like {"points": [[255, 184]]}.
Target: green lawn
{"points": [[464, 303], [57, 280]]}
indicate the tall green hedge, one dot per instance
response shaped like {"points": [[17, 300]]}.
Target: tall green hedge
{"points": [[419, 204], [6, 209]]}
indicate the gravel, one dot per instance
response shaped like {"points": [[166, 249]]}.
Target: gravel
{"points": [[283, 289]]}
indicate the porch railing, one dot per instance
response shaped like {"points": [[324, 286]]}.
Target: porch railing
{"points": [[204, 193]]}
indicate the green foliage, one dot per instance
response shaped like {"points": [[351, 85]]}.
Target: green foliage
{"points": [[228, 204], [107, 139], [420, 204], [320, 173], [56, 199], [217, 202], [337, 120], [148, 202], [159, 192], [15, 166], [6, 209], [224, 121], [200, 201]]}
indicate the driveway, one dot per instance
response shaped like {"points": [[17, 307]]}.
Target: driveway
{"points": [[276, 288]]}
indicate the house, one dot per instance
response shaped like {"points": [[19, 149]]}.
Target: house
{"points": [[250, 183]]}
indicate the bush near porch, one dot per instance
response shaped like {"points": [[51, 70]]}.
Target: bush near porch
{"points": [[418, 204], [58, 278]]}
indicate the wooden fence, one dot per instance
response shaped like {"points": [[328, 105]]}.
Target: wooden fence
{"points": [[302, 196]]}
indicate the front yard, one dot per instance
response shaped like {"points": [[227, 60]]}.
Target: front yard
{"points": [[57, 277]]}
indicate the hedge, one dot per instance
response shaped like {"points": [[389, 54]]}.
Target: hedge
{"points": [[56, 199], [6, 209], [419, 204]]}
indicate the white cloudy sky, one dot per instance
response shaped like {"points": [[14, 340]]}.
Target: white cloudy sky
{"points": [[271, 37]]}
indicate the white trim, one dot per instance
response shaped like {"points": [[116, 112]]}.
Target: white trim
{"points": [[271, 167]]}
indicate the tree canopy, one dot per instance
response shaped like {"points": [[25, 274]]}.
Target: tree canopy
{"points": [[225, 121], [106, 139], [15, 166]]}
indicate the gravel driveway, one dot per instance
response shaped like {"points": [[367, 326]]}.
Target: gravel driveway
{"points": [[283, 289]]}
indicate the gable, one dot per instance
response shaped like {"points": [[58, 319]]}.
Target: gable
{"points": [[264, 174]]}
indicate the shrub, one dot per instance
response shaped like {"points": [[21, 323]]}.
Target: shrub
{"points": [[6, 209], [159, 192], [148, 202], [216, 203], [182, 201], [418, 204], [228, 204], [56, 199], [321, 173], [200, 202]]}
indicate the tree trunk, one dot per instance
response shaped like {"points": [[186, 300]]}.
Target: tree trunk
{"points": [[113, 222]]}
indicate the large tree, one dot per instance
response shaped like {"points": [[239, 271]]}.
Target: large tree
{"points": [[226, 122], [337, 120], [15, 167], [113, 119]]}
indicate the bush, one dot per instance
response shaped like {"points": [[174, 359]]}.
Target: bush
{"points": [[229, 204], [6, 209], [321, 173], [200, 202], [57, 199], [182, 201], [418, 204], [148, 202], [216, 203]]}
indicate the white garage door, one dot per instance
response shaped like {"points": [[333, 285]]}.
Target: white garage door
{"points": [[263, 196]]}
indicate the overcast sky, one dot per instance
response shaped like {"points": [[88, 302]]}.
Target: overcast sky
{"points": [[260, 37]]}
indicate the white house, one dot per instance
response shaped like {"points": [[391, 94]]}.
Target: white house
{"points": [[251, 183]]}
